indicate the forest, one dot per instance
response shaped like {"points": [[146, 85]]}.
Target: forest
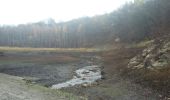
{"points": [[121, 55], [133, 22]]}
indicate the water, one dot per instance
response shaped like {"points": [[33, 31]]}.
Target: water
{"points": [[86, 75]]}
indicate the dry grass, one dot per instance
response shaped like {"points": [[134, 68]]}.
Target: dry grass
{"points": [[21, 90], [29, 49], [53, 59], [142, 44], [158, 80]]}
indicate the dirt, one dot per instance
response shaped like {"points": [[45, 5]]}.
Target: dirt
{"points": [[14, 88], [48, 69], [114, 86]]}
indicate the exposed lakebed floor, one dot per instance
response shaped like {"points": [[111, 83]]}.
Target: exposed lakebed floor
{"points": [[57, 69], [46, 69]]}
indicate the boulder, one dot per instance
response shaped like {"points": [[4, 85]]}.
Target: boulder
{"points": [[155, 56]]}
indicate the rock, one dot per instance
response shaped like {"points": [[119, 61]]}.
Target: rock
{"points": [[148, 50], [85, 85], [149, 56], [139, 66], [103, 78], [134, 62], [159, 64], [85, 72], [160, 96], [167, 45], [117, 40], [155, 56], [166, 48]]}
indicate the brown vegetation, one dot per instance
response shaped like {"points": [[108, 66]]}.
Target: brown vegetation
{"points": [[132, 23]]}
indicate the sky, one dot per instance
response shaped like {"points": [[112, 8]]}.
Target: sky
{"points": [[14, 12]]}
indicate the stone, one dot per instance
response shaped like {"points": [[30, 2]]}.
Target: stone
{"points": [[159, 64], [155, 56], [139, 66]]}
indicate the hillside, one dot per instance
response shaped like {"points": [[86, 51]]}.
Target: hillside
{"points": [[131, 47], [151, 67], [133, 22]]}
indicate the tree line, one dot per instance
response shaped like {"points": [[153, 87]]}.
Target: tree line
{"points": [[132, 22]]}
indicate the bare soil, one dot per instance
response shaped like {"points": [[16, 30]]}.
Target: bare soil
{"points": [[52, 68], [14, 88], [114, 86], [46, 69]]}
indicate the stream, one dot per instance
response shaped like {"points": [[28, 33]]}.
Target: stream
{"points": [[84, 76]]}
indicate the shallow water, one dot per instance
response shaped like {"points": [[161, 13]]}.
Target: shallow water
{"points": [[86, 75]]}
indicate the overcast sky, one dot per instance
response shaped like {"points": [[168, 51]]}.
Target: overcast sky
{"points": [[25, 11]]}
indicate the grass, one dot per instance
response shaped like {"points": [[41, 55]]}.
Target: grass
{"points": [[114, 90], [142, 44], [158, 80], [29, 49], [56, 93], [20, 86], [49, 94]]}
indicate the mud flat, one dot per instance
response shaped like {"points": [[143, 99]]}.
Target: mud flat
{"points": [[46, 69]]}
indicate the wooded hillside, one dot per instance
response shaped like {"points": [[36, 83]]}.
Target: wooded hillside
{"points": [[132, 22]]}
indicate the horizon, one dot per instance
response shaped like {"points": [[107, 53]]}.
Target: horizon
{"points": [[17, 12]]}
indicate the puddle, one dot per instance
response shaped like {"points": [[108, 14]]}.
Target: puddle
{"points": [[86, 75]]}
